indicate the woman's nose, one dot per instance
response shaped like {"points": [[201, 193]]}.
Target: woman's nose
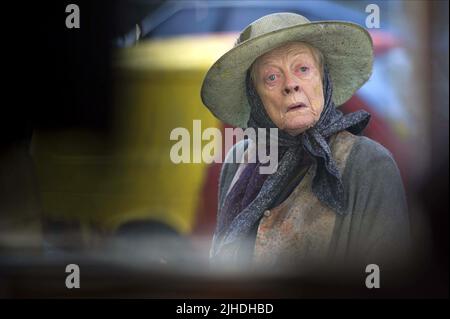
{"points": [[291, 86], [288, 90]]}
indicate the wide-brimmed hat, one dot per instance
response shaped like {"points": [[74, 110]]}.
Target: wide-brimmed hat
{"points": [[347, 49]]}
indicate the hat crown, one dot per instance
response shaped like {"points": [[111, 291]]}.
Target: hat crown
{"points": [[270, 23]]}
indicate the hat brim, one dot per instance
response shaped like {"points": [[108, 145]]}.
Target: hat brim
{"points": [[347, 49]]}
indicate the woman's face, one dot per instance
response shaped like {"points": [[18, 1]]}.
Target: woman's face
{"points": [[288, 80]]}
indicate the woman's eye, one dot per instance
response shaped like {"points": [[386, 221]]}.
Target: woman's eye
{"points": [[303, 69], [271, 77]]}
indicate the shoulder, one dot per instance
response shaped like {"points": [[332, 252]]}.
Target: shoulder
{"points": [[356, 145], [358, 152], [359, 148], [236, 150], [367, 151], [368, 160], [232, 158]]}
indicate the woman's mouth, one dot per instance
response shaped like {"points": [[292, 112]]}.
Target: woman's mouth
{"points": [[296, 106]]}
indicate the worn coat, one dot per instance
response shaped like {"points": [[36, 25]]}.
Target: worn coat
{"points": [[300, 231]]}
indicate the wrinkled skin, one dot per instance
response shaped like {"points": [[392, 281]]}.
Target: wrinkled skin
{"points": [[286, 77]]}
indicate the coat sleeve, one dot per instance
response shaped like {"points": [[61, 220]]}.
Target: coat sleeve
{"points": [[227, 172], [376, 226]]}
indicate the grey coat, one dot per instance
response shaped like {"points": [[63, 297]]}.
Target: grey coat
{"points": [[375, 227]]}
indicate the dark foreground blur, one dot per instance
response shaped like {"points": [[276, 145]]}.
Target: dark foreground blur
{"points": [[130, 272]]}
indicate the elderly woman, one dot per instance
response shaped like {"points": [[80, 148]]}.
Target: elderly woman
{"points": [[336, 196]]}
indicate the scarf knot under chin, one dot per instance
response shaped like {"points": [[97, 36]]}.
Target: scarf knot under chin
{"points": [[253, 193]]}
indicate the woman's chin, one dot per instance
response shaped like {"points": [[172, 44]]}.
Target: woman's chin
{"points": [[295, 131], [298, 126]]}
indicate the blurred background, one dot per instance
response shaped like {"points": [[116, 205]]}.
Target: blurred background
{"points": [[85, 172]]}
